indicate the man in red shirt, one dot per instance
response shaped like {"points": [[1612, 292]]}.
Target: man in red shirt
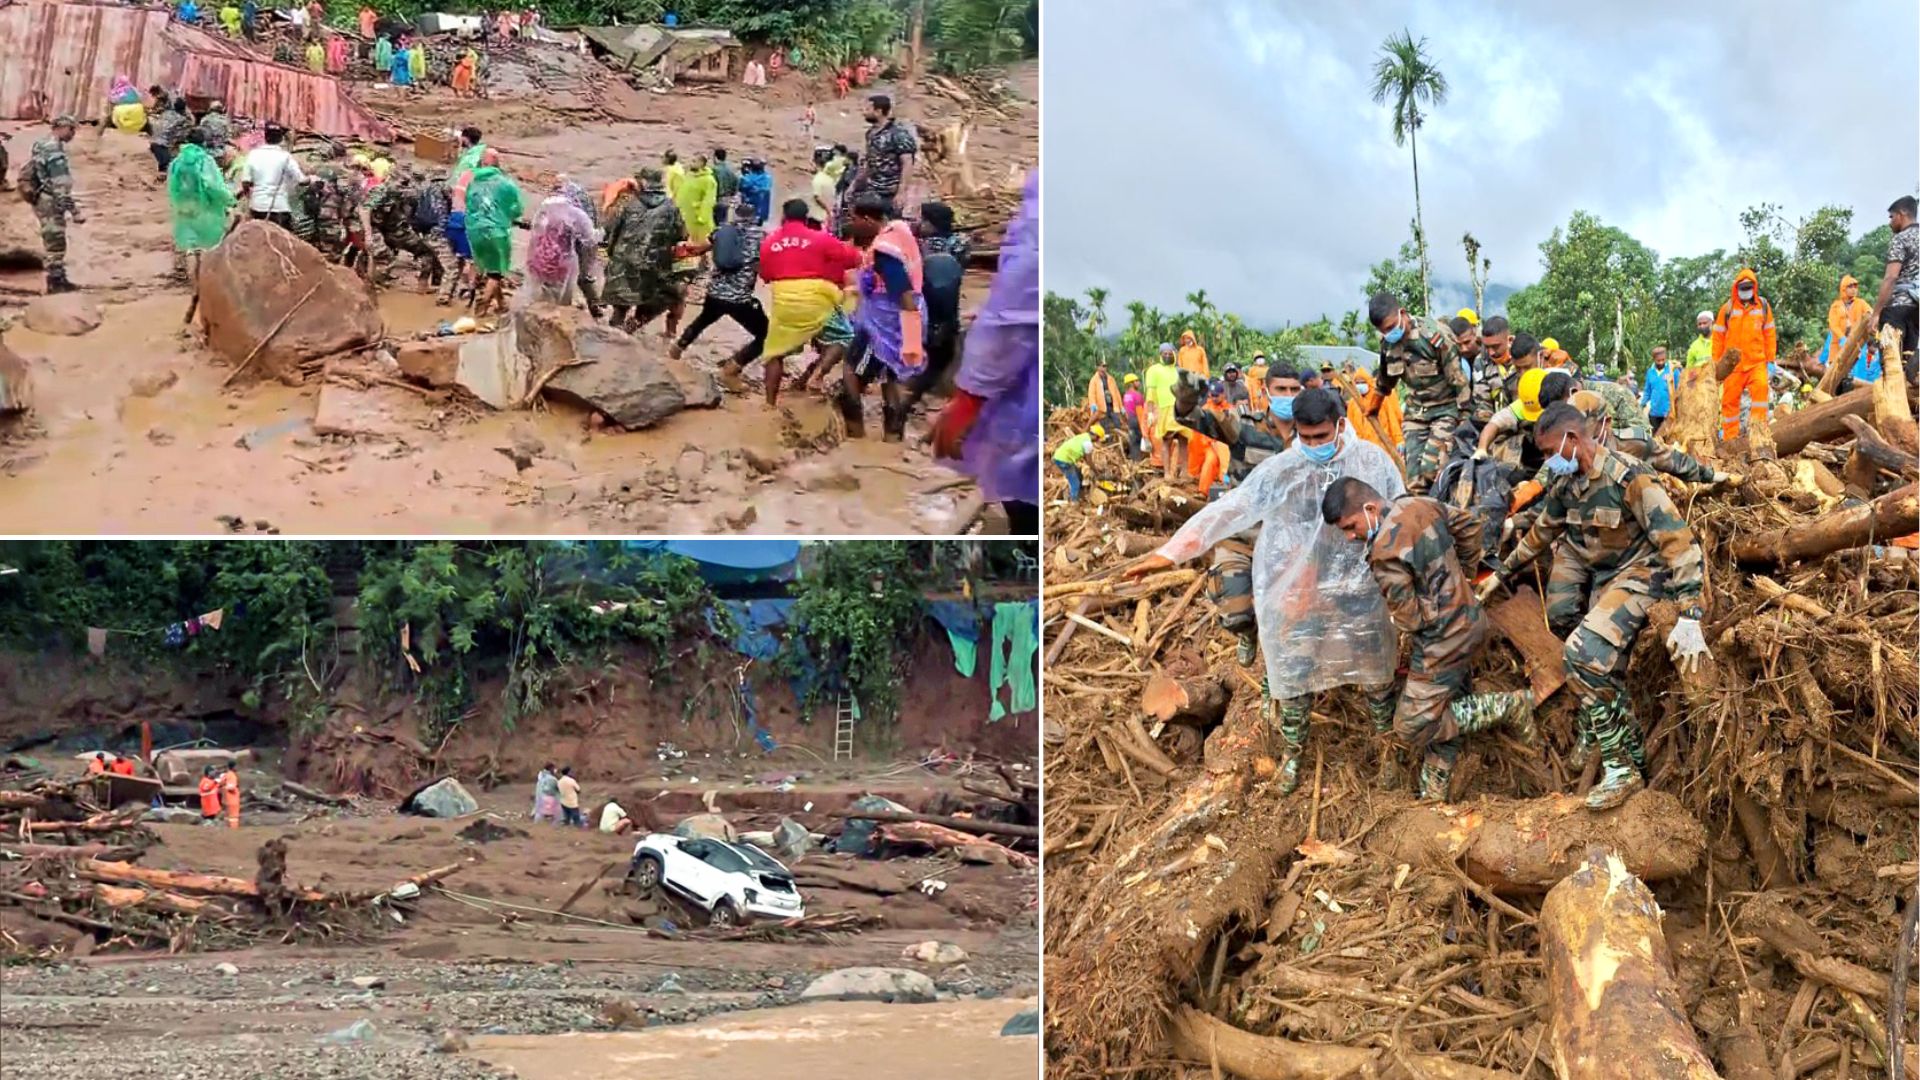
{"points": [[807, 271]]}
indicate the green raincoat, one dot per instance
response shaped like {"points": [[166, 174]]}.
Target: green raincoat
{"points": [[198, 197]]}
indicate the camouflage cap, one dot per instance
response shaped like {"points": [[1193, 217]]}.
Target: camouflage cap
{"points": [[65, 120], [647, 174]]}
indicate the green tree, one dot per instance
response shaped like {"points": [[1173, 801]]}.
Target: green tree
{"points": [[1597, 291], [1405, 79]]}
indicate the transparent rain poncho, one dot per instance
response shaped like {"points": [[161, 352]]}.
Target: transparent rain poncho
{"points": [[563, 237], [1323, 622]]}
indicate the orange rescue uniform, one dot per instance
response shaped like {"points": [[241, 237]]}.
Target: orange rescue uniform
{"points": [[1748, 328], [122, 766], [1191, 356], [209, 797], [95, 766], [1103, 394], [230, 795]]}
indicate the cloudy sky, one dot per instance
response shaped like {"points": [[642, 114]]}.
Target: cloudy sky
{"points": [[1234, 145]]}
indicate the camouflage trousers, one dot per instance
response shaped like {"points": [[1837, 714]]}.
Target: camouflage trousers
{"points": [[1230, 586], [1611, 728], [1291, 717], [1428, 441], [452, 266], [1637, 443], [1438, 676], [53, 234], [1598, 647], [384, 250]]}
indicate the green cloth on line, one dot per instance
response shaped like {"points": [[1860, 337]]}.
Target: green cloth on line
{"points": [[966, 653], [1014, 645]]}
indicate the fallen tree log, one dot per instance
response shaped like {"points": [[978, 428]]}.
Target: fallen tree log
{"points": [[1200, 702], [1526, 846], [176, 881], [1768, 917], [103, 852], [1895, 514], [1842, 361], [20, 800], [1816, 423], [116, 897], [1609, 980], [969, 825], [1201, 1038], [941, 838], [1868, 443], [315, 794]]}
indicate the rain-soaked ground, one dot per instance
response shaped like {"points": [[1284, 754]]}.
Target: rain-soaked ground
{"points": [[134, 433]]}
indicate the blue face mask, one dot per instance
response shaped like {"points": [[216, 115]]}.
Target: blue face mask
{"points": [[1393, 336], [1562, 463], [1374, 529], [1281, 407], [1323, 453]]}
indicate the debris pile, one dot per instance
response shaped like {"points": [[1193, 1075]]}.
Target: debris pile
{"points": [[1194, 915]]}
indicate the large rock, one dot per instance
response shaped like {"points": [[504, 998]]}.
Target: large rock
{"points": [[621, 378], [871, 984], [258, 274], [1025, 1022], [16, 384], [63, 315], [445, 799], [856, 837], [706, 826], [791, 838]]}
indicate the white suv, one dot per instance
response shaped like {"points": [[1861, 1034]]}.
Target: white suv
{"points": [[730, 882]]}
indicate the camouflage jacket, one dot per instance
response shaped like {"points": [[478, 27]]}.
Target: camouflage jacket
{"points": [[1619, 522], [1426, 359], [1490, 393], [168, 129], [641, 237], [390, 206], [54, 176], [216, 130], [1623, 406], [325, 211], [1422, 557], [1641, 447]]}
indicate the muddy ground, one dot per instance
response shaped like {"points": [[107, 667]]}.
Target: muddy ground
{"points": [[506, 978], [108, 454]]}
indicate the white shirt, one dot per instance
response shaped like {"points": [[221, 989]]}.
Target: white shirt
{"points": [[611, 816], [275, 176]]}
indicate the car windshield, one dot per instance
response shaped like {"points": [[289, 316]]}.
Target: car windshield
{"points": [[723, 857]]}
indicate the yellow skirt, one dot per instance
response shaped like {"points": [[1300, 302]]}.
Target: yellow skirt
{"points": [[801, 309]]}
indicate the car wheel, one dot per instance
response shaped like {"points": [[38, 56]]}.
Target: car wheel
{"points": [[724, 915], [645, 873]]}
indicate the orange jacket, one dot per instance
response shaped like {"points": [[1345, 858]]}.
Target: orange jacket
{"points": [[122, 766], [209, 796], [230, 786], [1386, 409], [1747, 327], [1191, 356], [1843, 314], [95, 766], [1256, 381], [1103, 394]]}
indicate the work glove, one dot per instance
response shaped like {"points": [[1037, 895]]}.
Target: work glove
{"points": [[1488, 586], [1688, 645], [1729, 479], [1479, 453], [950, 428], [1523, 493]]}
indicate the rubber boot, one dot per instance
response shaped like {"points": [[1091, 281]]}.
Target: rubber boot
{"points": [[729, 375], [1436, 780], [1621, 759], [1618, 780], [1510, 709], [1291, 727], [57, 282], [1246, 651]]}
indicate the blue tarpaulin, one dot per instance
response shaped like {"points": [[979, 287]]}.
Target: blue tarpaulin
{"points": [[754, 621], [733, 560]]}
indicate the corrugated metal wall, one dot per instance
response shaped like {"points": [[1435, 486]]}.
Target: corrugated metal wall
{"points": [[60, 57]]}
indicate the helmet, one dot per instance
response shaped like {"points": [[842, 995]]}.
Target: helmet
{"points": [[1548, 344], [1099, 432], [1529, 403], [1468, 314], [1130, 377]]}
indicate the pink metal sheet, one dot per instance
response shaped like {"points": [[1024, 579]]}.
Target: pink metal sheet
{"points": [[263, 90]]}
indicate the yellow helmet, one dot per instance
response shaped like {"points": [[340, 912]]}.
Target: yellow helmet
{"points": [[1529, 403], [1468, 314], [1099, 432], [1130, 377], [1549, 344]]}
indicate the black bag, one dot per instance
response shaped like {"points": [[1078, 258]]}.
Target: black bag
{"points": [[429, 211], [940, 277], [729, 249]]}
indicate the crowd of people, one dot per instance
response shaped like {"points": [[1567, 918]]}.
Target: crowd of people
{"points": [[1347, 511]]}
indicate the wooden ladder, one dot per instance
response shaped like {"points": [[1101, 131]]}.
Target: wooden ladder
{"points": [[843, 729]]}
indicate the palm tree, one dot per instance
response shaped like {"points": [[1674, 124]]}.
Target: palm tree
{"points": [[1406, 78], [1097, 316]]}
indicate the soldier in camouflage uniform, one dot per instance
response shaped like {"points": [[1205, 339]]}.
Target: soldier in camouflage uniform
{"points": [[216, 130], [1493, 374], [1421, 352], [390, 217], [1618, 535], [326, 212], [1421, 552], [640, 242], [166, 131], [52, 180]]}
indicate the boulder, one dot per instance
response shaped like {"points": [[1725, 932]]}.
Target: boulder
{"points": [[621, 378], [1025, 1022], [16, 383], [434, 361], [442, 799], [791, 839], [257, 275], [856, 838], [63, 315], [896, 985], [935, 952], [705, 826], [376, 411]]}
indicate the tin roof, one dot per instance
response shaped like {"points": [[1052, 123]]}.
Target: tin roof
{"points": [[62, 56]]}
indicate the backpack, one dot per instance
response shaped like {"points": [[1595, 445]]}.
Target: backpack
{"points": [[940, 276], [729, 249], [27, 182], [429, 209]]}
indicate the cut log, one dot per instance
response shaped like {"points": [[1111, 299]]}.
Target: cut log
{"points": [[20, 800], [1895, 514], [1842, 361], [1200, 1038], [1201, 702], [1609, 980], [967, 825], [1815, 423], [941, 838], [1891, 412], [116, 897], [1867, 442], [1522, 620], [1526, 846], [315, 794], [1695, 423], [103, 852], [212, 884]]}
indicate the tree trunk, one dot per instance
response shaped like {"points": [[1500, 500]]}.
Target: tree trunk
{"points": [[212, 884], [1201, 1038], [1419, 224], [967, 825], [1694, 425], [915, 55], [115, 897], [1893, 515], [1841, 361], [16, 800], [1892, 416], [1201, 702], [1815, 423], [1609, 980], [1881, 454], [103, 852], [1523, 846]]}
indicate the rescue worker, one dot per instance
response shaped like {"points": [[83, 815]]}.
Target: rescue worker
{"points": [[1256, 384], [1493, 375], [1423, 553], [1898, 302], [1700, 349], [1132, 401], [1517, 419], [49, 176], [1846, 312], [1192, 355], [1103, 397], [1071, 452], [230, 793], [1422, 352], [1369, 408], [1745, 327], [390, 213], [1321, 620], [1167, 437], [1466, 339], [1656, 392], [323, 211], [97, 764], [641, 238], [216, 129], [1237, 393], [1616, 538], [122, 766], [209, 797]]}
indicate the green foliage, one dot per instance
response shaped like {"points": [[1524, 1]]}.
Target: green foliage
{"points": [[1596, 295], [1401, 277], [857, 611], [276, 632], [522, 610], [966, 35]]}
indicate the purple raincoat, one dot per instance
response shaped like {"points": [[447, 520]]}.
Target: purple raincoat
{"points": [[878, 319], [1002, 365]]}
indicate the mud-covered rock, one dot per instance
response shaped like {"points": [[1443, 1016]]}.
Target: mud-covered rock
{"points": [[897, 985], [445, 799], [257, 275], [63, 315], [613, 373], [706, 826]]}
